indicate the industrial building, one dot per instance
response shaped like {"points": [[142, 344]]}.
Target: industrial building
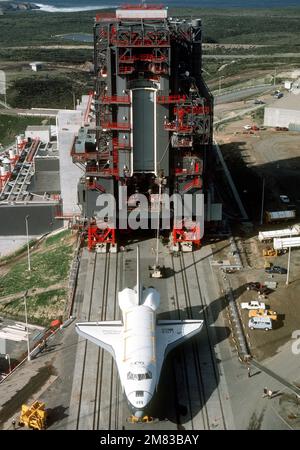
{"points": [[36, 66], [284, 112], [29, 184], [151, 117]]}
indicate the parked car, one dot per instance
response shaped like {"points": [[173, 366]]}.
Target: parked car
{"points": [[278, 95], [262, 323], [281, 129], [254, 304], [284, 199], [247, 127], [258, 102], [276, 269], [253, 286], [260, 288]]}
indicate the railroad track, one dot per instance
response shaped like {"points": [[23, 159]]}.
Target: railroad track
{"points": [[96, 394], [193, 400], [197, 362]]}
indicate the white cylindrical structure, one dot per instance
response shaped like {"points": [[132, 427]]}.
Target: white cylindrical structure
{"points": [[3, 171], [12, 153], [6, 165]]}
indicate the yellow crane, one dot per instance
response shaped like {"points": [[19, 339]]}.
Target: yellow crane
{"points": [[34, 416]]}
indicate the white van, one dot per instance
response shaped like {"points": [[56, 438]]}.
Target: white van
{"points": [[262, 323]]}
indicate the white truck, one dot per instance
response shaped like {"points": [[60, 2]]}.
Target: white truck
{"points": [[254, 304]]}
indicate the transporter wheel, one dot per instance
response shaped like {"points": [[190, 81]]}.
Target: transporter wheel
{"points": [[267, 329], [251, 328]]}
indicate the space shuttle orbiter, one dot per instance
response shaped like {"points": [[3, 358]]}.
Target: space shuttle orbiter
{"points": [[139, 343]]}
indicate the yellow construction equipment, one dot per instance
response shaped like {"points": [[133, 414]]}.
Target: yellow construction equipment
{"points": [[263, 313], [34, 416], [145, 419], [269, 252], [267, 264]]}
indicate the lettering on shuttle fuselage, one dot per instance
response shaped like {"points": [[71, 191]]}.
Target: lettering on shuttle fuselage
{"points": [[167, 330]]}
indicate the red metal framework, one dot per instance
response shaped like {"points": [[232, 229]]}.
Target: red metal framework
{"points": [[116, 126], [178, 142], [166, 99], [33, 150], [127, 59], [125, 70], [115, 99], [119, 144], [88, 108], [194, 183], [158, 68], [176, 126], [125, 38], [151, 58], [197, 109], [4, 179], [97, 235], [105, 16], [94, 185], [86, 156], [186, 231]]}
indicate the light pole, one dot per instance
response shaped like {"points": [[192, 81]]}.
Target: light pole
{"points": [[28, 253], [9, 365], [262, 202], [26, 321], [289, 263]]}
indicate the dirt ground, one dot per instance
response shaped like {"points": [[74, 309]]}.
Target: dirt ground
{"points": [[274, 156]]}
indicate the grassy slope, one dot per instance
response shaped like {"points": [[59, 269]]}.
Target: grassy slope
{"points": [[50, 265], [49, 89], [10, 126], [234, 25], [276, 28]]}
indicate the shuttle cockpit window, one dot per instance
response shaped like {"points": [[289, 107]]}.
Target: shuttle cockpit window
{"points": [[139, 376]]}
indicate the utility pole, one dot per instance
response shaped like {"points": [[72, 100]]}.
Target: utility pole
{"points": [[289, 263], [262, 202]]}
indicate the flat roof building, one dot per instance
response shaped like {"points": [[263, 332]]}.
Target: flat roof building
{"points": [[283, 112], [35, 66]]}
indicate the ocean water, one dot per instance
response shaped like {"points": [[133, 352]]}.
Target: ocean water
{"points": [[86, 5]]}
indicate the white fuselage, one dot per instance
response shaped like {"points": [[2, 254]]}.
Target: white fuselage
{"points": [[137, 361], [139, 343]]}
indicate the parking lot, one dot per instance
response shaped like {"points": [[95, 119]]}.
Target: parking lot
{"points": [[266, 160]]}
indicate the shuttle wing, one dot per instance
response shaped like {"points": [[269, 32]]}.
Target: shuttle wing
{"points": [[170, 333], [107, 335]]}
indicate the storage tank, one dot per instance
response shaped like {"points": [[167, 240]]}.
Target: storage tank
{"points": [[6, 165], [2, 171], [12, 153]]}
